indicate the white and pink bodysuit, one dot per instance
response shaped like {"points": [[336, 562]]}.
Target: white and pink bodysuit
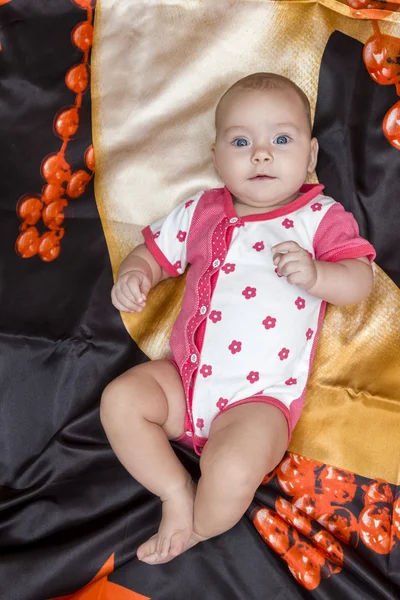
{"points": [[244, 334]]}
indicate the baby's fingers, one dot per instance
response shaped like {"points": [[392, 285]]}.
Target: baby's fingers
{"points": [[122, 303], [132, 292]]}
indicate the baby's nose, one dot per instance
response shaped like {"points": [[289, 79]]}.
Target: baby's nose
{"points": [[262, 154]]}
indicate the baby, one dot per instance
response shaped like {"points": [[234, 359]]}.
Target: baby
{"points": [[266, 253]]}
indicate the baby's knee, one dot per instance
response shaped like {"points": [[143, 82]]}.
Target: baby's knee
{"points": [[231, 472], [113, 401]]}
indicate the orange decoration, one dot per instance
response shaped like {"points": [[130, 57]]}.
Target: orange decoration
{"points": [[52, 192], [369, 4], [53, 216], [99, 588], [85, 4], [67, 123], [27, 243], [292, 515], [309, 504], [49, 246], [55, 169], [396, 518], [391, 125], [337, 486], [4, 2], [381, 54], [377, 491], [273, 530], [78, 183], [296, 474], [305, 562], [331, 548], [82, 36], [77, 78], [29, 209], [89, 158], [375, 524], [342, 524]]}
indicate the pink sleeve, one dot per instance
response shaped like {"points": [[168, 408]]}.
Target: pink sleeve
{"points": [[337, 237]]}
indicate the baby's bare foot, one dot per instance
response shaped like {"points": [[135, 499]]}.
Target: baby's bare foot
{"points": [[174, 533]]}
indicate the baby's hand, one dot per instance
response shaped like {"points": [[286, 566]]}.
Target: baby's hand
{"points": [[130, 291], [296, 264]]}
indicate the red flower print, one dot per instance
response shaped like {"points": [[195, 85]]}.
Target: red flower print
{"points": [[300, 303], [291, 381], [178, 264], [316, 206], [288, 223], [200, 423], [253, 376], [249, 292], [283, 354], [222, 402], [188, 203], [235, 346], [206, 370], [215, 316], [277, 272], [269, 322], [309, 333], [228, 268], [156, 235], [181, 236], [259, 246]]}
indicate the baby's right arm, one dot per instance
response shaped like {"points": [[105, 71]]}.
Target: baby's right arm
{"points": [[138, 273]]}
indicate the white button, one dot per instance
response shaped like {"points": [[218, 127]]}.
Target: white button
{"points": [[193, 358], [189, 433], [203, 310], [216, 263], [233, 220]]}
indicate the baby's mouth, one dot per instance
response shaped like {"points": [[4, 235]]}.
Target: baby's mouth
{"points": [[261, 176]]}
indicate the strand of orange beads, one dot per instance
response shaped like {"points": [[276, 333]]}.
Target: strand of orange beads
{"points": [[381, 56], [61, 183]]}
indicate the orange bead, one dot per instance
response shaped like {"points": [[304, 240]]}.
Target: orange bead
{"points": [[27, 243], [77, 78], [52, 192], [89, 158], [78, 183], [29, 209], [49, 247], [67, 123], [82, 36], [55, 169], [85, 4], [53, 215], [391, 125]]}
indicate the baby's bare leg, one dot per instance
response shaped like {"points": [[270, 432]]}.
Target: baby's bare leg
{"points": [[245, 443], [140, 411]]}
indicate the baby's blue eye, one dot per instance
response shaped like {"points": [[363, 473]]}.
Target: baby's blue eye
{"points": [[282, 139], [240, 142]]}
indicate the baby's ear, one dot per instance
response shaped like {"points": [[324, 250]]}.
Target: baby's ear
{"points": [[313, 155]]}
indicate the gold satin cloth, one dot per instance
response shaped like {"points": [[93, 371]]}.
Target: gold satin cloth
{"points": [[158, 70]]}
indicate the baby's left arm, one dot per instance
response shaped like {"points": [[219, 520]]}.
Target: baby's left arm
{"points": [[343, 282]]}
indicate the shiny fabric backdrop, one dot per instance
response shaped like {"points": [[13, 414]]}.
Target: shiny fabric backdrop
{"points": [[326, 523]]}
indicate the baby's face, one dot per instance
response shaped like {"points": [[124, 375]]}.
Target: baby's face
{"points": [[263, 149]]}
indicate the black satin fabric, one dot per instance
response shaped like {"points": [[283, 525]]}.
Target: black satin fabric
{"points": [[356, 163], [66, 504]]}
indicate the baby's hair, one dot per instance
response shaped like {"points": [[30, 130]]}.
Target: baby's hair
{"points": [[266, 81]]}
